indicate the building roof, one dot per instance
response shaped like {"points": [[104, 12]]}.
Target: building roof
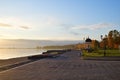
{"points": [[88, 40]]}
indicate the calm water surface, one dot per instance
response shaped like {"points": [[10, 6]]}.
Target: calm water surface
{"points": [[13, 53]]}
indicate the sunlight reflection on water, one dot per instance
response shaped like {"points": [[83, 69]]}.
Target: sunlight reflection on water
{"points": [[13, 53]]}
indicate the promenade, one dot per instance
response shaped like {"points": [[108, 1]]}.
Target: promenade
{"points": [[68, 66]]}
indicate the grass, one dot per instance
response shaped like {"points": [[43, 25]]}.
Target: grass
{"points": [[92, 54], [111, 55], [100, 53]]}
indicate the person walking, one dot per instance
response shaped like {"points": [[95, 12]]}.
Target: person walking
{"points": [[80, 53]]}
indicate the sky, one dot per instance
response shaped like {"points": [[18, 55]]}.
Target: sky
{"points": [[58, 19]]}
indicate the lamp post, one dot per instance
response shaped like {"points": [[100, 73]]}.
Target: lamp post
{"points": [[104, 44]]}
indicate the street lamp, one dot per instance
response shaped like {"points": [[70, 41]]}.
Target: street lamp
{"points": [[104, 40]]}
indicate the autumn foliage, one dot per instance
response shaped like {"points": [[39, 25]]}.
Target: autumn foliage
{"points": [[112, 40]]}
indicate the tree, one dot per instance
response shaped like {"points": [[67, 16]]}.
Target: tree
{"points": [[104, 42], [110, 39], [113, 39], [95, 44], [116, 36]]}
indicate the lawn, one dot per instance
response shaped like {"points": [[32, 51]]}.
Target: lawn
{"points": [[100, 53]]}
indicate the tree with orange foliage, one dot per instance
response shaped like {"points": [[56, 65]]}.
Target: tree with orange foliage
{"points": [[95, 44], [112, 40]]}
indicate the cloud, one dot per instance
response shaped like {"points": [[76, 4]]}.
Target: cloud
{"points": [[5, 25], [74, 33], [49, 21], [24, 27], [8, 25], [14, 22], [91, 27]]}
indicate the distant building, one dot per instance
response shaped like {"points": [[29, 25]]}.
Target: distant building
{"points": [[85, 45], [88, 43]]}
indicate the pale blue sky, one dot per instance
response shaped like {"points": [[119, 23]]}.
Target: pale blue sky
{"points": [[58, 19]]}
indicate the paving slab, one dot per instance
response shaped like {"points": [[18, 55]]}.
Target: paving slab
{"points": [[68, 66]]}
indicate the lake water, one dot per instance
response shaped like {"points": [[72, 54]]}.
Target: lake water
{"points": [[13, 53]]}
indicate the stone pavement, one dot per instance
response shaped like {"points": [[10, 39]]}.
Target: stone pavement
{"points": [[66, 67]]}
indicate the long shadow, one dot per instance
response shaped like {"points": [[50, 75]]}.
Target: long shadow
{"points": [[59, 58], [30, 59], [109, 58], [3, 68]]}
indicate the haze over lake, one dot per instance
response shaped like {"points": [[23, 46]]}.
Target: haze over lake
{"points": [[20, 43], [20, 48]]}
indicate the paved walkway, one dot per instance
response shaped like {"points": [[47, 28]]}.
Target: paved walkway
{"points": [[66, 67]]}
